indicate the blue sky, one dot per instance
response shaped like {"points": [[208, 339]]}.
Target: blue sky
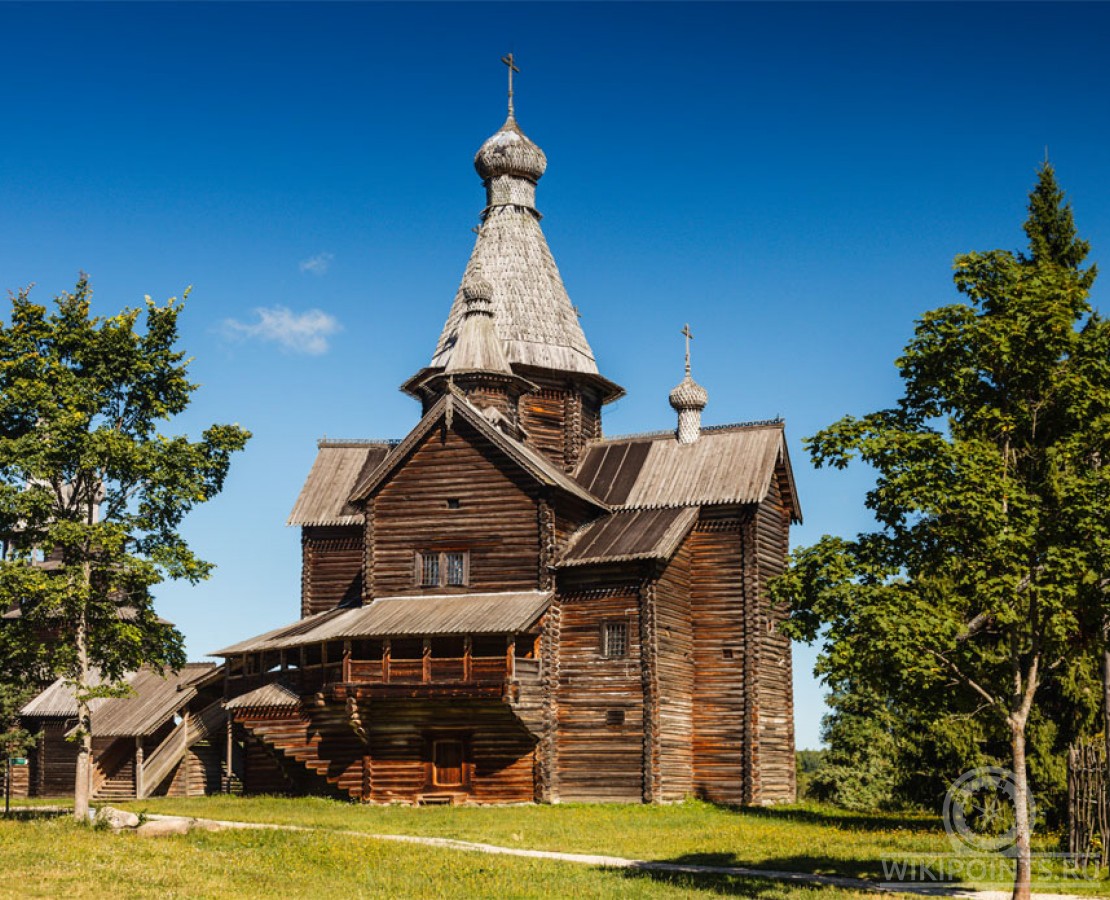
{"points": [[793, 179]]}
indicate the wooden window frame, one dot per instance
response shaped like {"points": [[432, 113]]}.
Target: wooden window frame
{"points": [[604, 647], [440, 557]]}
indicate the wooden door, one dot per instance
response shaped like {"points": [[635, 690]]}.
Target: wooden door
{"points": [[447, 763]]}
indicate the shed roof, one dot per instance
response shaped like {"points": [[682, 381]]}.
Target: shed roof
{"points": [[154, 698], [338, 467], [726, 465], [506, 612], [630, 534]]}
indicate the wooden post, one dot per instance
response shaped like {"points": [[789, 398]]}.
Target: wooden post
{"points": [[510, 656], [346, 661], [468, 658], [387, 650], [139, 786], [227, 757], [426, 662]]}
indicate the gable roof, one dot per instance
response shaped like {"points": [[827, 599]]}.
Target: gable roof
{"points": [[731, 464], [630, 534], [153, 700], [505, 612], [453, 403], [269, 696], [337, 468]]}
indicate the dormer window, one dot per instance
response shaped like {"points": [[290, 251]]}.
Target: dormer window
{"points": [[442, 568]]}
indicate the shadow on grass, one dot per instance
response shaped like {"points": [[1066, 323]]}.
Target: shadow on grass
{"points": [[751, 885], [841, 818], [30, 813]]}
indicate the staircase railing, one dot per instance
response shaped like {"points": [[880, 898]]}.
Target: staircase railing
{"points": [[190, 730]]}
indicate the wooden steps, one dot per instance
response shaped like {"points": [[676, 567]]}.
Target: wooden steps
{"points": [[315, 750]]}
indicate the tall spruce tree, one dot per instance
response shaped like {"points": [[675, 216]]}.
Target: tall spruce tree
{"points": [[92, 494], [976, 587]]}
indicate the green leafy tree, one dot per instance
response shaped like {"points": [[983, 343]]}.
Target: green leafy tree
{"points": [[977, 585], [92, 494]]}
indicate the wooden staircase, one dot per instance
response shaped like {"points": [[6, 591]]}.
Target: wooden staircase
{"points": [[189, 731], [315, 749], [524, 694], [113, 774]]}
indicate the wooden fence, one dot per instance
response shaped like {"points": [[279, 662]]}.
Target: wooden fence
{"points": [[1088, 802]]}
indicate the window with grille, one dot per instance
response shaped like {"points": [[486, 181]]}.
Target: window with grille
{"points": [[614, 639], [455, 564], [430, 569], [442, 568]]}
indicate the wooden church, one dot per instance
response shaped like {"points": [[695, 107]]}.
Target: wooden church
{"points": [[506, 605]]}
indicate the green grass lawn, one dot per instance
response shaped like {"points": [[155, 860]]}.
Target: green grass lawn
{"points": [[55, 857], [805, 838]]}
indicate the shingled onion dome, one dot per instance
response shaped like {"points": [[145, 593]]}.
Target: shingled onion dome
{"points": [[688, 399], [510, 165]]}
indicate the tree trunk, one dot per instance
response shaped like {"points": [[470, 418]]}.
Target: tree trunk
{"points": [[1023, 860], [83, 781], [1105, 727]]}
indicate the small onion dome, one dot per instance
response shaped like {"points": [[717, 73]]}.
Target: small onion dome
{"points": [[477, 293], [509, 152], [688, 395]]}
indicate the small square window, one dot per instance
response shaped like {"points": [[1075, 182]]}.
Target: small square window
{"points": [[614, 717], [614, 639], [453, 503]]}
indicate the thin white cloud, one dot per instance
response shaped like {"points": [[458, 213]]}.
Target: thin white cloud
{"points": [[305, 332], [318, 264]]}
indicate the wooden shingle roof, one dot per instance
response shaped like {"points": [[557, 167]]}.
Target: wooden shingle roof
{"points": [[726, 465], [630, 534], [269, 696], [337, 469], [153, 700], [505, 612], [532, 314]]}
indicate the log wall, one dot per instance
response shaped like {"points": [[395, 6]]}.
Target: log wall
{"points": [[496, 520], [719, 654], [331, 560], [542, 414], [776, 683], [560, 418], [56, 762], [599, 702], [498, 763], [675, 679]]}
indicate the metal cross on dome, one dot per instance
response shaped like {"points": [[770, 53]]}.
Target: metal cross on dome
{"points": [[508, 61], [689, 336]]}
